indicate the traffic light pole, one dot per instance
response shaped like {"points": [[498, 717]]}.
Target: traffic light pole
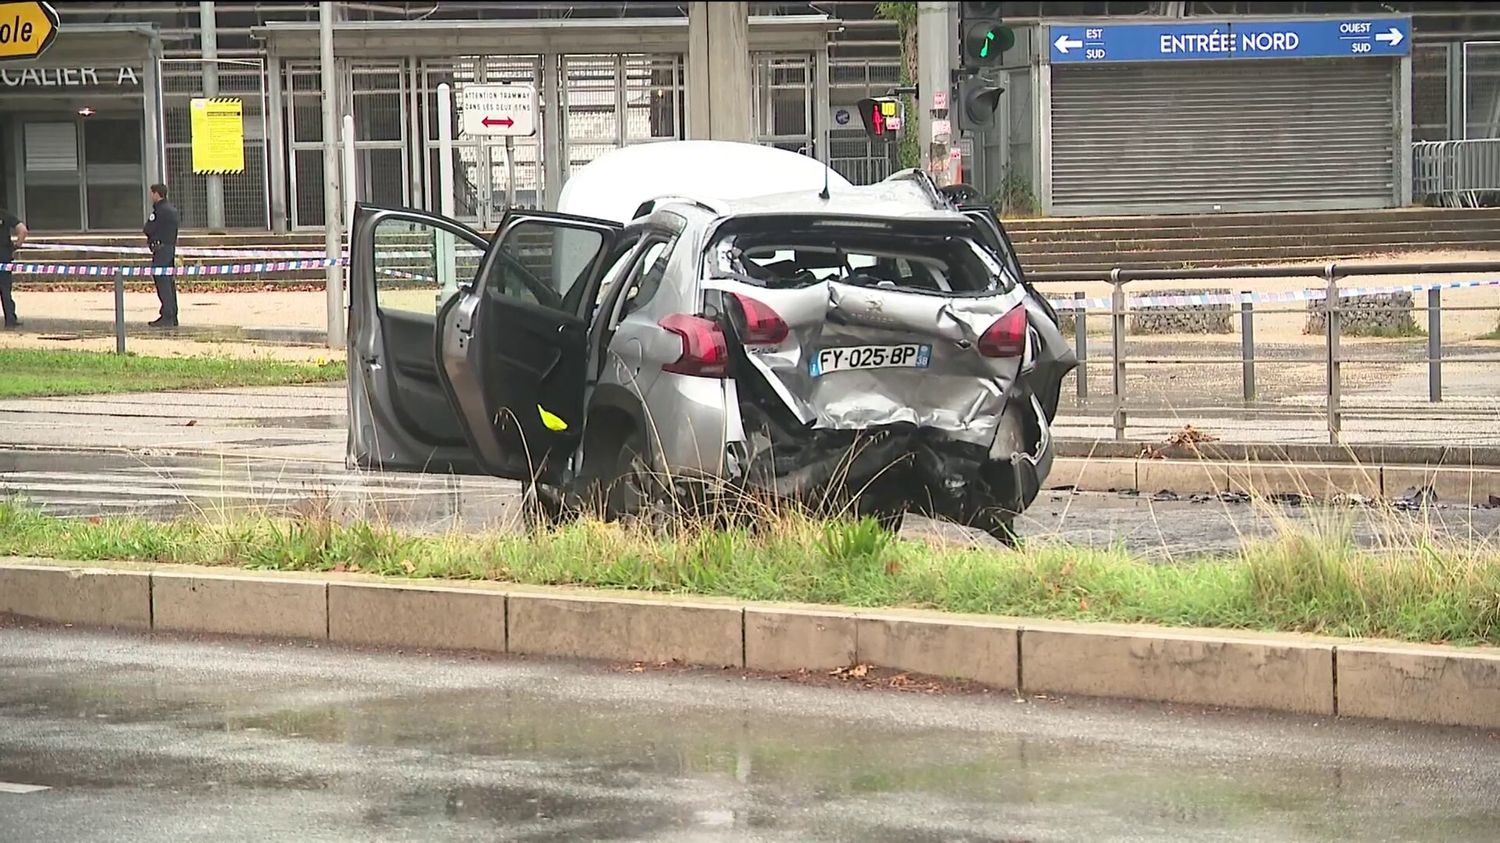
{"points": [[935, 38]]}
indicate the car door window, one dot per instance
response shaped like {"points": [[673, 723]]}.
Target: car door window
{"points": [[646, 275], [543, 263], [418, 266]]}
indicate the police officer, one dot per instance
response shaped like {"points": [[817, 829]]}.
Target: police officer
{"points": [[161, 236], [13, 228]]}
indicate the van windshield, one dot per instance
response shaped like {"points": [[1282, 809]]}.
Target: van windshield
{"points": [[790, 258]]}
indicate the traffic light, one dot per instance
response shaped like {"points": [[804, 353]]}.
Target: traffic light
{"points": [[882, 117], [985, 36], [978, 97]]}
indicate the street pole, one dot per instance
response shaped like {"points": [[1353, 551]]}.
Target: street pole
{"points": [[208, 21], [351, 182], [446, 259], [934, 78], [332, 207], [510, 173]]}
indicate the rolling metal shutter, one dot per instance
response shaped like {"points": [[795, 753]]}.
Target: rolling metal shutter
{"points": [[1223, 136]]}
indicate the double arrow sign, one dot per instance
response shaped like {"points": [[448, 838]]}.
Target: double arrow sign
{"points": [[507, 122]]}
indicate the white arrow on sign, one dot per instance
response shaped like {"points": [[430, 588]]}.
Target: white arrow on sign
{"points": [[1064, 44], [1394, 37]]}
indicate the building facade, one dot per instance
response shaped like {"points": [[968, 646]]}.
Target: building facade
{"points": [[106, 110]]}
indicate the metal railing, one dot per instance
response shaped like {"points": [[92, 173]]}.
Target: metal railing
{"points": [[1459, 173], [1329, 302]]}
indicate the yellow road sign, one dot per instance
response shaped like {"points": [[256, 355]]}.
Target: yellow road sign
{"points": [[218, 135], [26, 30]]}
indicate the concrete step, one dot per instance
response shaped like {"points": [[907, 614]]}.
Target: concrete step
{"points": [[1371, 242], [1211, 221], [1399, 230], [1183, 258]]}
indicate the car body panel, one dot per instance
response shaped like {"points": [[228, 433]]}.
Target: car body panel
{"points": [[959, 392]]}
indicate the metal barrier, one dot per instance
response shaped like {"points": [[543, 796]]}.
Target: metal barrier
{"points": [[1329, 300], [1459, 173]]}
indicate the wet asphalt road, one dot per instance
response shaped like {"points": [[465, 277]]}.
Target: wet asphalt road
{"points": [[147, 739], [88, 484]]}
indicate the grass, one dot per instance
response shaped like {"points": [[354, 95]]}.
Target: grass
{"points": [[36, 372], [1384, 332], [1309, 580]]}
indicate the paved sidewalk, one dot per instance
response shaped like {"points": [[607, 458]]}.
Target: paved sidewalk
{"points": [[308, 422]]}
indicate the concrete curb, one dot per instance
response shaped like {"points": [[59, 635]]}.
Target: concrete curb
{"points": [[1290, 673], [1452, 484]]}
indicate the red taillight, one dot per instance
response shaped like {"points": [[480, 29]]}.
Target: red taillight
{"points": [[763, 326], [1007, 337], [705, 353]]}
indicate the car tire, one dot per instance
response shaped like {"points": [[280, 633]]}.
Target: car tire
{"points": [[633, 487]]}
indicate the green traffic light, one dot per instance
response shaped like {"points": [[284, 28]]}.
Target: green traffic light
{"points": [[989, 37]]}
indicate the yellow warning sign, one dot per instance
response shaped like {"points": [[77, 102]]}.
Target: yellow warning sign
{"points": [[218, 135], [26, 29]]}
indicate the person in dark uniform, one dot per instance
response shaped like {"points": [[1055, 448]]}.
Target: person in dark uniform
{"points": [[11, 238], [161, 236]]}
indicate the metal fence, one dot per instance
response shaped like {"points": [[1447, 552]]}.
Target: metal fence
{"points": [[1171, 378], [1457, 173], [246, 197], [852, 153]]}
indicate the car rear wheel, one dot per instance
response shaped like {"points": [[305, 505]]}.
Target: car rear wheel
{"points": [[633, 489]]}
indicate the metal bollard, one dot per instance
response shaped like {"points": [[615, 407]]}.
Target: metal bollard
{"points": [[1081, 345], [1332, 330], [1434, 344], [119, 313], [1247, 345], [1117, 338]]}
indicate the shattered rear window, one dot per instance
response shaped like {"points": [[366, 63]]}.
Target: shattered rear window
{"points": [[791, 258]]}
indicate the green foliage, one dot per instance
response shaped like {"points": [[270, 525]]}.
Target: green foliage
{"points": [[904, 14], [35, 372], [908, 150], [1014, 197], [1313, 578]]}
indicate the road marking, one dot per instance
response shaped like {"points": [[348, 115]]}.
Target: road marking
{"points": [[14, 787]]}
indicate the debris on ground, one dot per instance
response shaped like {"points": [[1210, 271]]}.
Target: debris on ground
{"points": [[1417, 497], [1494, 503], [1200, 498], [1288, 499], [1165, 496], [1188, 437], [1352, 499], [1234, 497], [1129, 493]]}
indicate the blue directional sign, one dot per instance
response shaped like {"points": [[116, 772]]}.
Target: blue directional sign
{"points": [[1240, 39]]}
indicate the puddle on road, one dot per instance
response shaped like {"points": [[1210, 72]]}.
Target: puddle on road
{"points": [[548, 767]]}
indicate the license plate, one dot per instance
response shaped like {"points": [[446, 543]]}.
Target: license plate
{"points": [[856, 357]]}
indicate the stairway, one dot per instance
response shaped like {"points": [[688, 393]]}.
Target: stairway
{"points": [[1180, 242]]}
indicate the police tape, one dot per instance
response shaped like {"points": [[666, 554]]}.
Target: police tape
{"points": [[1202, 299], [1064, 304]]}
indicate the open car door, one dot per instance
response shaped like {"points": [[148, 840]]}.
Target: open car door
{"points": [[513, 345], [400, 418]]}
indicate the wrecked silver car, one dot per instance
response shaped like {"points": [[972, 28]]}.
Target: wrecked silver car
{"points": [[867, 349]]}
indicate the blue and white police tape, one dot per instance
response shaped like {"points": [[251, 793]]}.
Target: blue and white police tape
{"points": [[1063, 304], [1313, 294]]}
